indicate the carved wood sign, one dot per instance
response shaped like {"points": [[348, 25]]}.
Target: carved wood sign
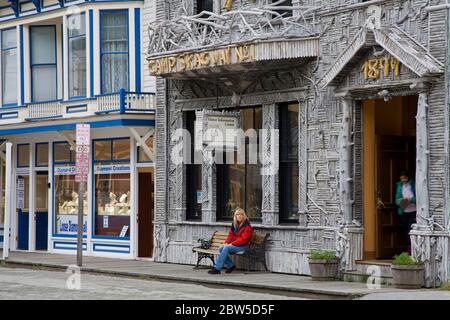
{"points": [[372, 68], [198, 60]]}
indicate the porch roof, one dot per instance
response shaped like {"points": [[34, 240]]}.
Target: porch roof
{"points": [[394, 40]]}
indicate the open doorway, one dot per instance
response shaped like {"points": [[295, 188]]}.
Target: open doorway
{"points": [[389, 148], [145, 212]]}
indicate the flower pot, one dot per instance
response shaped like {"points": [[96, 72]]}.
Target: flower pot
{"points": [[407, 276], [323, 270]]}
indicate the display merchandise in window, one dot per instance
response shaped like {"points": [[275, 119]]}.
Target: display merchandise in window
{"points": [[113, 203], [66, 201]]}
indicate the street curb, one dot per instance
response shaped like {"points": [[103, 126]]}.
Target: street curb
{"points": [[273, 289]]}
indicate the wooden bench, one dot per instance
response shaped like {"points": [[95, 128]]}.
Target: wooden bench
{"points": [[210, 247]]}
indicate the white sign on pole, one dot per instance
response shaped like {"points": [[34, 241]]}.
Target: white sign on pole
{"points": [[82, 152]]}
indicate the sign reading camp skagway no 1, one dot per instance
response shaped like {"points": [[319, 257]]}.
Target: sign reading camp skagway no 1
{"points": [[198, 60]]}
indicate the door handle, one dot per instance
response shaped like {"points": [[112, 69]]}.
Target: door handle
{"points": [[380, 203]]}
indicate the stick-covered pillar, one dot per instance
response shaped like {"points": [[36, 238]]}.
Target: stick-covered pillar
{"points": [[422, 196], [345, 160]]}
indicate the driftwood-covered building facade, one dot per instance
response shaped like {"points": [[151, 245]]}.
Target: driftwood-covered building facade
{"points": [[354, 92]]}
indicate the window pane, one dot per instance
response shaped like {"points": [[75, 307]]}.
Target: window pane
{"points": [[121, 149], [9, 39], [114, 72], [77, 25], [66, 202], [42, 154], [253, 191], [23, 155], [235, 188], [77, 66], [43, 47], [112, 204], [44, 83], [62, 152], [114, 32], [142, 155], [9, 76], [102, 150], [205, 5], [41, 193]]}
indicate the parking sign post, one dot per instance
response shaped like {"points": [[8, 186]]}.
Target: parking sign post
{"points": [[82, 166]]}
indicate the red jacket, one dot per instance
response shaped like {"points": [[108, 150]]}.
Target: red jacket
{"points": [[242, 237]]}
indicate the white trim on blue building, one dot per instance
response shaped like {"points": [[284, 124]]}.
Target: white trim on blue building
{"points": [[125, 111]]}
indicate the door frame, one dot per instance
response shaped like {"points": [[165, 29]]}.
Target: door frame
{"points": [[139, 168]]}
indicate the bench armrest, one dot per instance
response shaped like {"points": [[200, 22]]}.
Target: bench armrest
{"points": [[204, 243]]}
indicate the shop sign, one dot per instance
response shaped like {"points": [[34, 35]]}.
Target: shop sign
{"points": [[22, 171], [373, 68], [108, 169], [123, 232], [68, 224], [65, 170], [198, 60], [221, 131], [20, 193]]}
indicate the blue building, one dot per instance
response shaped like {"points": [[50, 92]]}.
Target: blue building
{"points": [[64, 63]]}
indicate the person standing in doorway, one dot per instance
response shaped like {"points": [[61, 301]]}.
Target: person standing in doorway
{"points": [[405, 199], [238, 240]]}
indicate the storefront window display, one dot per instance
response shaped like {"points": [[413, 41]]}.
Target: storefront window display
{"points": [[112, 188], [66, 192]]}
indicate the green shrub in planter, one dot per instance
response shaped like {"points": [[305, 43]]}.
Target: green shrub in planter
{"points": [[323, 265], [407, 272]]}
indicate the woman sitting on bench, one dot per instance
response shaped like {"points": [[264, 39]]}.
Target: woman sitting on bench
{"points": [[238, 240]]}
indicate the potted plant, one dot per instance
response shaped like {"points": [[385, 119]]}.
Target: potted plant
{"points": [[407, 273], [323, 265]]}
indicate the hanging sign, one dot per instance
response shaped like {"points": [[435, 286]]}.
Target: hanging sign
{"points": [[82, 152]]}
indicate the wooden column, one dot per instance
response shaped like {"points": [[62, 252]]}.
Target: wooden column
{"points": [[422, 196], [270, 165], [345, 163]]}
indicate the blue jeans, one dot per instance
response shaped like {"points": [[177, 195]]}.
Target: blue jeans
{"points": [[224, 257]]}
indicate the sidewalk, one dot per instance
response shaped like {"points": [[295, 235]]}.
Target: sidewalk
{"points": [[283, 284]]}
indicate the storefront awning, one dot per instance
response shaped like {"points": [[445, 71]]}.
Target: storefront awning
{"points": [[249, 56], [394, 40]]}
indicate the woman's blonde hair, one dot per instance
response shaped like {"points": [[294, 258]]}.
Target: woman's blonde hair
{"points": [[239, 211]]}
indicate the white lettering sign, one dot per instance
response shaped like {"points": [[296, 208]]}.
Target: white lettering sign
{"points": [[108, 169], [123, 232]]}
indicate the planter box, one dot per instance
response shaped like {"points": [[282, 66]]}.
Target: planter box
{"points": [[407, 277], [322, 270]]}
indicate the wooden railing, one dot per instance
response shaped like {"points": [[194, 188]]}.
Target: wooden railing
{"points": [[108, 103], [43, 110]]}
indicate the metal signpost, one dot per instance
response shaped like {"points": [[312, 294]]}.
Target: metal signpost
{"points": [[82, 166]]}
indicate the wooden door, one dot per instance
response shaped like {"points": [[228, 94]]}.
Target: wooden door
{"points": [[145, 215], [394, 154]]}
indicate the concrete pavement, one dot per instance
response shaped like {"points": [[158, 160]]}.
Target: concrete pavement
{"points": [[264, 282]]}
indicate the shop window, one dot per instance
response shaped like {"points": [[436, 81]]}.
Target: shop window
{"points": [[41, 193], [23, 155], [43, 63], [41, 154], [77, 55], [112, 189], [121, 149], [142, 156], [289, 171], [62, 153], [193, 175], [114, 50], [240, 185], [9, 66], [66, 191], [102, 150]]}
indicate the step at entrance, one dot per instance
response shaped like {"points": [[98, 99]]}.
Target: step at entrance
{"points": [[365, 269]]}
